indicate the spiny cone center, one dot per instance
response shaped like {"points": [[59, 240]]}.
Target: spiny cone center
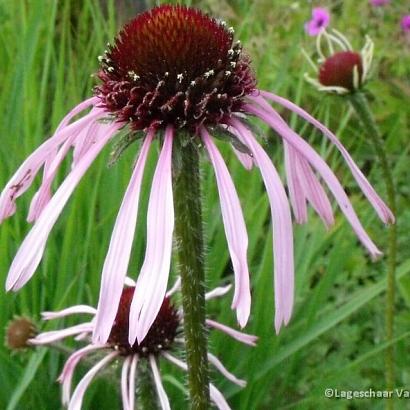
{"points": [[338, 70], [160, 336], [174, 65]]}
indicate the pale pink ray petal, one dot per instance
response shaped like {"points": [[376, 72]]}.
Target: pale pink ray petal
{"points": [[66, 375], [378, 204], [163, 398], [78, 395], [54, 335], [282, 227], [131, 383], [152, 281], [235, 230], [119, 252], [323, 169], [69, 311], [245, 159], [175, 288], [224, 371], [175, 360], [31, 251], [24, 176], [76, 110], [239, 336], [124, 383], [314, 191], [296, 193], [129, 282], [217, 292], [218, 398]]}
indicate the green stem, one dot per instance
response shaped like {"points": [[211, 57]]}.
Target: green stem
{"points": [[146, 394], [189, 237], [361, 106]]}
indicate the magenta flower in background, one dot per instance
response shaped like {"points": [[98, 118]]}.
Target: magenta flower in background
{"points": [[175, 69], [163, 338], [405, 23], [319, 21], [379, 3]]}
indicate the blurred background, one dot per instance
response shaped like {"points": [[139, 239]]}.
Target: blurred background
{"points": [[48, 53]]}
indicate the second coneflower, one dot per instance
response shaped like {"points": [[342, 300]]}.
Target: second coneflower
{"points": [[174, 73]]}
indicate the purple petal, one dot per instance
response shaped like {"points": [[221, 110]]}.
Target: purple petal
{"points": [[77, 309], [296, 194], [131, 384], [217, 292], [224, 371], [152, 282], [235, 230], [78, 395], [24, 176], [31, 251], [124, 383], [54, 335], [245, 159], [66, 375], [163, 398], [118, 256], [239, 336], [380, 207], [323, 169], [282, 226], [218, 398]]}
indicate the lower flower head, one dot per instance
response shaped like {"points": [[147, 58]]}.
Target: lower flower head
{"points": [[18, 332], [160, 336]]}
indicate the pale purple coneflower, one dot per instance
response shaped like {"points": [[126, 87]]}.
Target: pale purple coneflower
{"points": [[319, 21], [161, 342], [170, 70], [405, 23]]}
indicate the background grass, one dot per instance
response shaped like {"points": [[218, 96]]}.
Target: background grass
{"points": [[48, 49]]}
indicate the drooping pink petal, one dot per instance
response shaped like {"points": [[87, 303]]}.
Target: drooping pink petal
{"points": [[69, 311], [24, 176], [78, 395], [245, 159], [66, 375], [218, 398], [152, 281], [54, 335], [282, 227], [378, 204], [31, 251], [224, 371], [323, 169], [119, 252], [217, 292], [235, 230], [239, 336], [163, 398], [131, 382], [124, 383], [296, 194], [308, 185]]}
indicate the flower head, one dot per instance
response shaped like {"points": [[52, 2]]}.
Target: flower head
{"points": [[344, 70], [174, 65], [379, 3], [405, 23], [163, 339], [319, 21], [223, 95], [18, 332]]}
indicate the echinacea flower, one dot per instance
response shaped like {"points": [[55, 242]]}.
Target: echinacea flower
{"points": [[319, 21], [161, 341], [405, 23], [172, 72], [379, 3], [341, 69]]}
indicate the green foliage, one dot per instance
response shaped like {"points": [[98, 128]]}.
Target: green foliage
{"points": [[48, 50]]}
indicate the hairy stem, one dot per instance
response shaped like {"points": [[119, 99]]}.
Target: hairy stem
{"points": [[189, 237], [361, 106]]}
